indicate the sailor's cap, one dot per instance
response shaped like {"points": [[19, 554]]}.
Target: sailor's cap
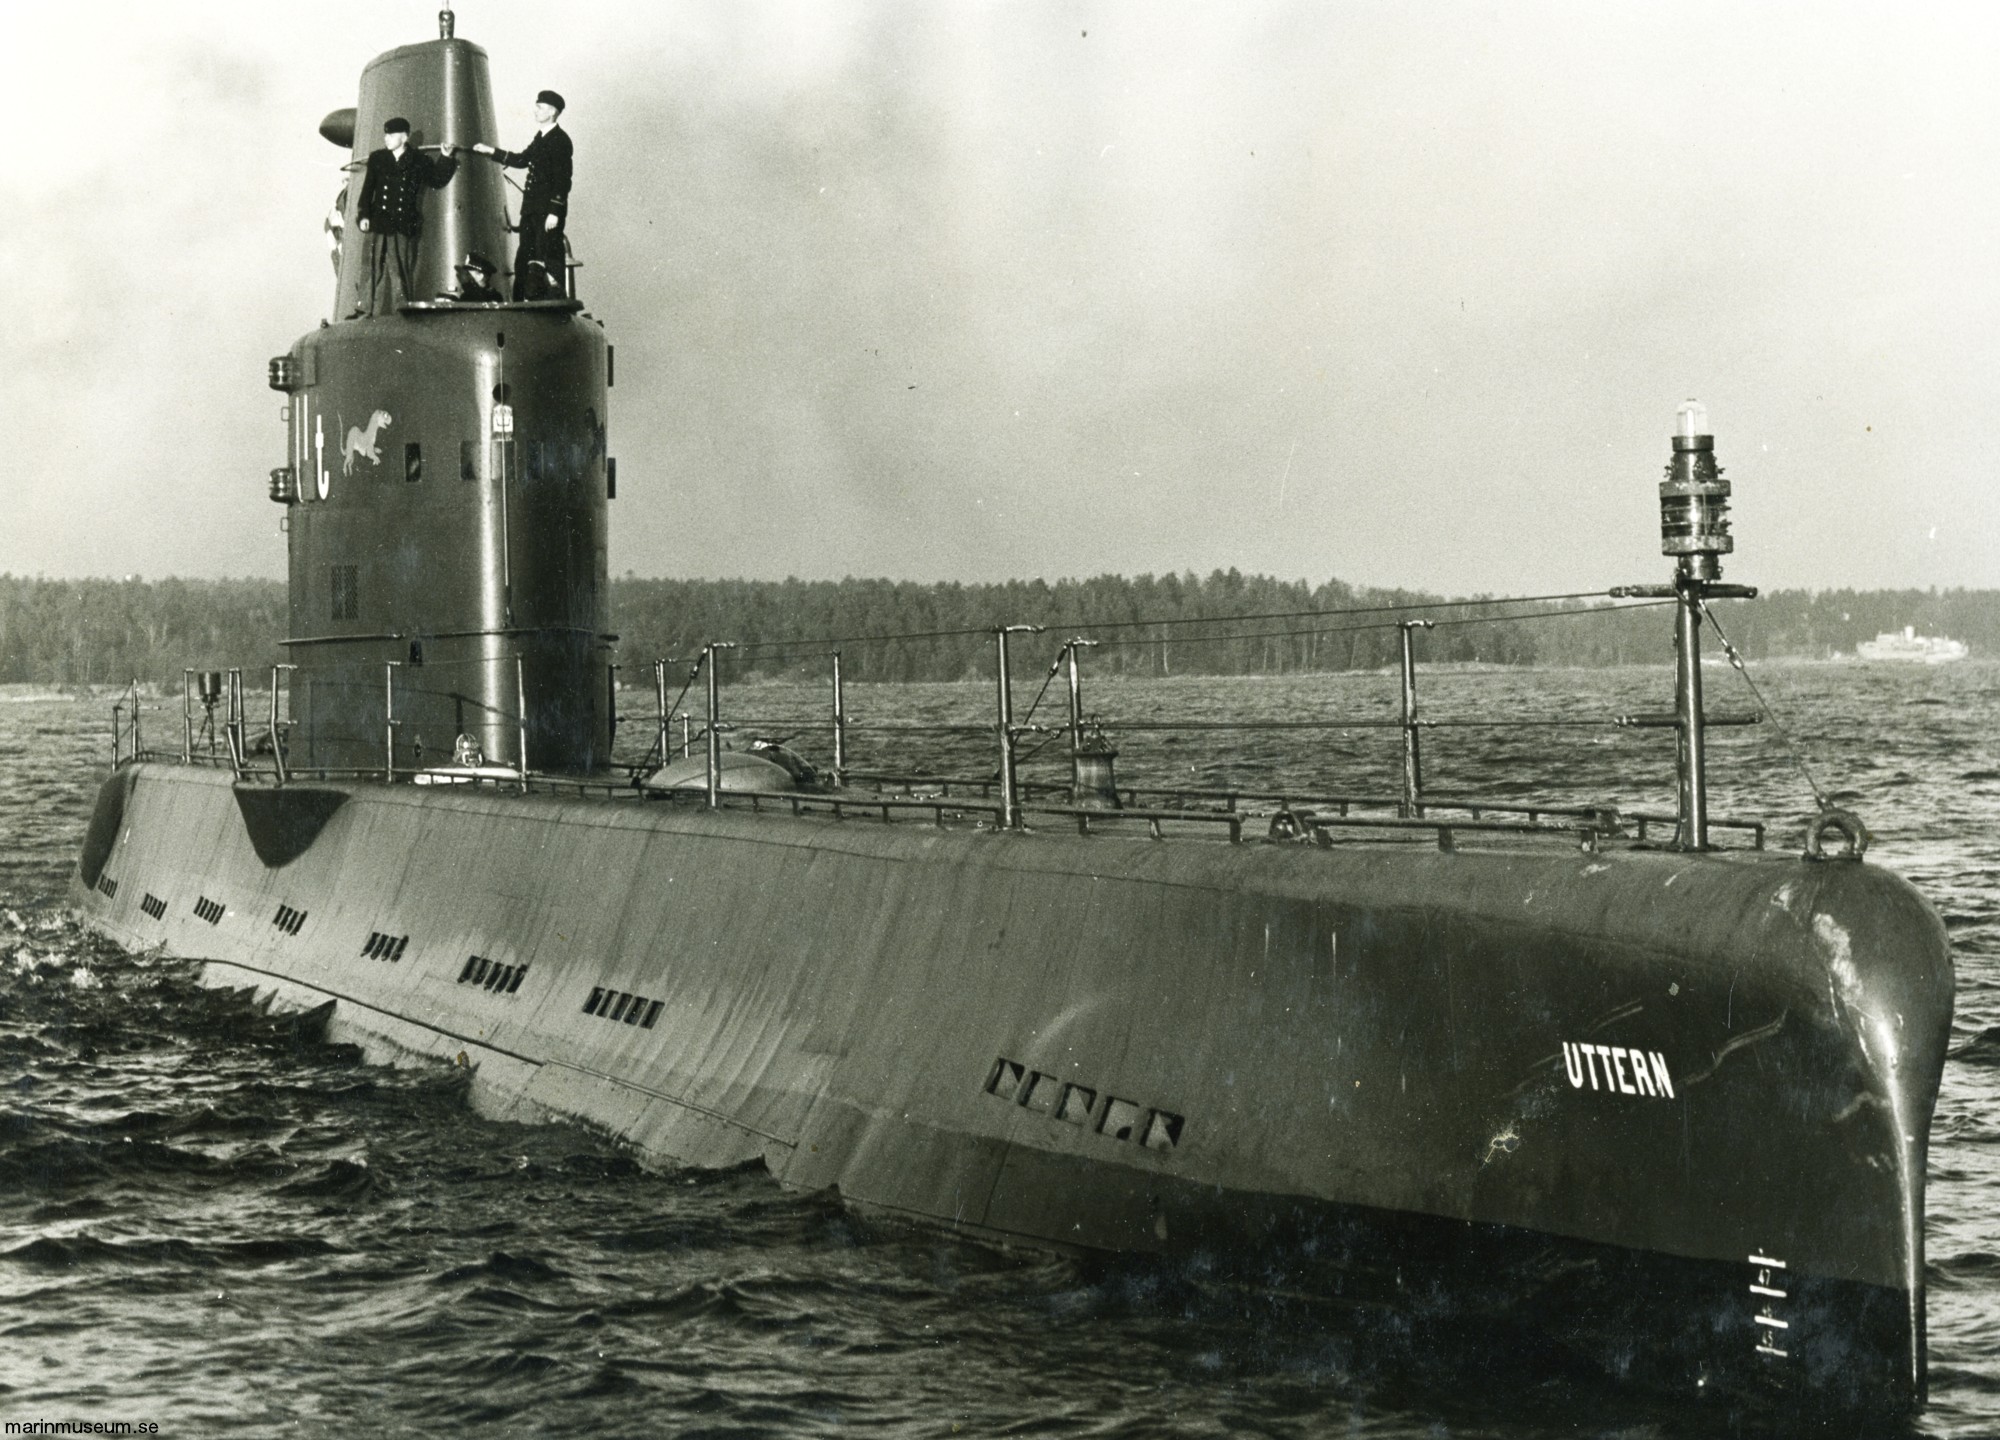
{"points": [[549, 97], [475, 261], [395, 123]]}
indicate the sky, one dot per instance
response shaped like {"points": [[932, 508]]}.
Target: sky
{"points": [[1393, 293]]}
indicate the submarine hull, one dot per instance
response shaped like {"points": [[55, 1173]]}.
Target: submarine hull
{"points": [[1672, 1106]]}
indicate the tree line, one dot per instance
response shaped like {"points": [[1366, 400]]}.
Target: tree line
{"points": [[95, 632]]}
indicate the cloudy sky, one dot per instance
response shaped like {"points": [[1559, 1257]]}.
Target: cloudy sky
{"points": [[1399, 293]]}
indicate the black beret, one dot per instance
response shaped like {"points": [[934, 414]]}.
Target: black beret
{"points": [[397, 123], [549, 97]]}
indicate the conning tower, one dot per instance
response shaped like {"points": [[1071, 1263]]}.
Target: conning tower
{"points": [[447, 478]]}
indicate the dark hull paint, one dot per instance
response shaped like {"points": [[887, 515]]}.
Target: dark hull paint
{"points": [[1356, 1066]]}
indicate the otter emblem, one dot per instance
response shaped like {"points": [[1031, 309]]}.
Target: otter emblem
{"points": [[362, 442]]}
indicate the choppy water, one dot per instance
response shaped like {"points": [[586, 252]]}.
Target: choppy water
{"points": [[213, 1223]]}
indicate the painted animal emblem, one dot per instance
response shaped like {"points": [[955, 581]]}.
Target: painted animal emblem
{"points": [[361, 442]]}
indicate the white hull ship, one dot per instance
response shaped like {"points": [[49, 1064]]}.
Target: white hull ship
{"points": [[1912, 648]]}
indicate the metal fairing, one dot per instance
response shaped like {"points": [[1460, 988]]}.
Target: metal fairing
{"points": [[490, 548], [449, 481], [1363, 1060], [441, 88]]}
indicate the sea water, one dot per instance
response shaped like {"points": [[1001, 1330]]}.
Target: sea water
{"points": [[214, 1223]]}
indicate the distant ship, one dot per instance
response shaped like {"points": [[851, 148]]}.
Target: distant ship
{"points": [[1663, 1099], [1910, 646]]}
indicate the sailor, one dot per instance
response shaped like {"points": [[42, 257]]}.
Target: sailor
{"points": [[475, 281], [391, 214], [539, 262]]}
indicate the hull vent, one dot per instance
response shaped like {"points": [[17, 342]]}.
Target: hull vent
{"points": [[210, 910], [385, 947], [500, 979], [622, 1006], [154, 906], [289, 920], [109, 886]]}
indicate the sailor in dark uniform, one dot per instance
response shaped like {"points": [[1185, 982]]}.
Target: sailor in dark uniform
{"points": [[475, 277], [391, 214], [539, 268]]}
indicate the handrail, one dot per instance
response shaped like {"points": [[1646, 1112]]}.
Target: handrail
{"points": [[1541, 821], [1554, 722]]}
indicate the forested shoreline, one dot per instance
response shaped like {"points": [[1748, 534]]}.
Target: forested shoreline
{"points": [[65, 633]]}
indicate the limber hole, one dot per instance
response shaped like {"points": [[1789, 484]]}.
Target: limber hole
{"points": [[1005, 1079], [383, 946], [1077, 1103], [613, 1005], [1163, 1130], [1121, 1118], [1042, 1093]]}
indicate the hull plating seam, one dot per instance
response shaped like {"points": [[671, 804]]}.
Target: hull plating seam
{"points": [[378, 1010], [516, 1055]]}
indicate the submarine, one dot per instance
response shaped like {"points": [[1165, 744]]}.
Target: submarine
{"points": [[1643, 1083]]}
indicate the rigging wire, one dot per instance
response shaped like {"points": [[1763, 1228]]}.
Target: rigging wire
{"points": [[1047, 680], [658, 742], [1736, 661], [1380, 625], [802, 642], [1351, 610]]}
